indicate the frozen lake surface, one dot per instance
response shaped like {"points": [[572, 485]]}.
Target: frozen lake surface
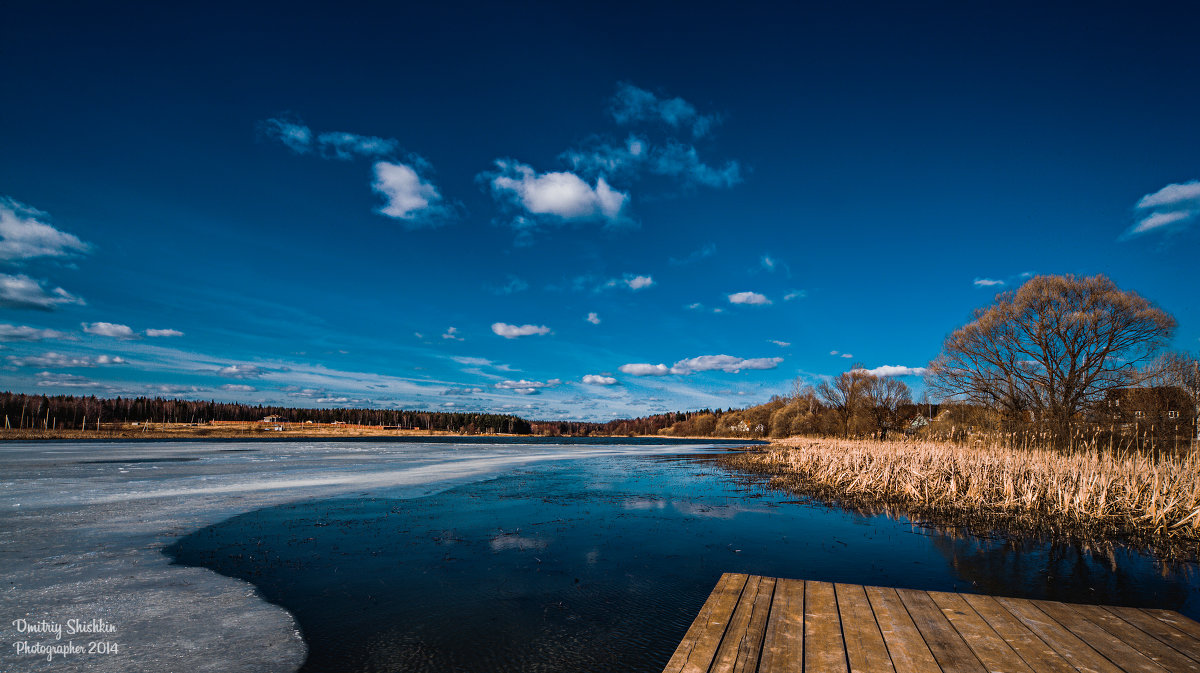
{"points": [[449, 555]]}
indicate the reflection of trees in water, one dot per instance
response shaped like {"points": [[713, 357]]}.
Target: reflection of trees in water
{"points": [[1101, 573]]}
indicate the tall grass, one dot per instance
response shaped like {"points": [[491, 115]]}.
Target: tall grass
{"points": [[1153, 498]]}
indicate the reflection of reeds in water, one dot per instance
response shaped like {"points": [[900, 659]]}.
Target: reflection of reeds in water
{"points": [[1086, 494]]}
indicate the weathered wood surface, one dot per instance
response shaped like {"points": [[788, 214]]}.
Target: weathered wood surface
{"points": [[769, 625]]}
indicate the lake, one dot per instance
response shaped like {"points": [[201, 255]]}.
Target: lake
{"points": [[470, 556]]}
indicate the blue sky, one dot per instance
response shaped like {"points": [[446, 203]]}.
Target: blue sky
{"points": [[559, 211]]}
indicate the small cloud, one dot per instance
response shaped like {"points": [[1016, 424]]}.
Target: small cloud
{"points": [[841, 355], [238, 388], [695, 306], [289, 131], [781, 344], [108, 329], [705, 252], [345, 146], [54, 380], [452, 333], [1171, 208], [768, 263], [24, 234], [61, 361], [987, 282], [644, 369], [632, 104], [598, 380], [894, 370], [28, 334], [593, 318], [513, 331], [21, 291], [524, 387], [559, 196], [752, 298], [682, 161], [725, 363], [410, 198], [462, 391], [512, 286], [163, 333], [795, 294], [630, 281], [240, 372]]}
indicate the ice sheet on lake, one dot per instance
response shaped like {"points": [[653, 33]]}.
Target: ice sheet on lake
{"points": [[82, 526]]}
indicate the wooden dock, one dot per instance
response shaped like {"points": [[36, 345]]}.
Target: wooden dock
{"points": [[770, 625]]}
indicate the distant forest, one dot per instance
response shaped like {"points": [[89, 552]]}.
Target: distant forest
{"points": [[70, 412]]}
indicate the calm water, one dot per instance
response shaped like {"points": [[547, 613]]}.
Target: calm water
{"points": [[601, 565]]}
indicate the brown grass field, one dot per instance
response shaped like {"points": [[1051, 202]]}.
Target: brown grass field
{"points": [[1089, 495]]}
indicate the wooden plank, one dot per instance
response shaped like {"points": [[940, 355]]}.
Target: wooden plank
{"points": [[1066, 643], [906, 647], [742, 645], [1161, 630], [1117, 651], [695, 653], [992, 650], [824, 649], [1032, 649], [865, 650], [1152, 648], [783, 644], [1177, 621], [947, 646]]}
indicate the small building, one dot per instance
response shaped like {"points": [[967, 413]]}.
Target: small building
{"points": [[273, 419]]}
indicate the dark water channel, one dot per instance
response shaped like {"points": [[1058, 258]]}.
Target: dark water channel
{"points": [[601, 565]]}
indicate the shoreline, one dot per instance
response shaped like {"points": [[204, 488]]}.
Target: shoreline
{"points": [[1138, 501], [292, 431]]}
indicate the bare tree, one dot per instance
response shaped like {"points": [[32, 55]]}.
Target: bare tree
{"points": [[884, 396], [1179, 370], [846, 394], [1051, 347]]}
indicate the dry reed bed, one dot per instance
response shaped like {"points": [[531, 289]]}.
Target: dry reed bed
{"points": [[1152, 499]]}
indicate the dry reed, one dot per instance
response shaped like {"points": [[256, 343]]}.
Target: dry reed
{"points": [[1150, 499]]}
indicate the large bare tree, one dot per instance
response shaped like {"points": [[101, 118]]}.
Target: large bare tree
{"points": [[885, 394], [846, 394], [1051, 347]]}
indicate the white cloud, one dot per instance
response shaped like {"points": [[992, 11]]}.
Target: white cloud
{"points": [[767, 262], [630, 281], [108, 329], [725, 363], [987, 282], [61, 361], [342, 145], [238, 388], [593, 318], [842, 355], [524, 387], [563, 195], [694, 306], [683, 162], [598, 380], [410, 197], [752, 298], [894, 370], [21, 291], [513, 331], [795, 294], [602, 158], [1172, 207], [645, 369], [452, 333], [240, 372], [26, 333], [25, 235], [163, 333], [462, 391], [291, 133], [781, 344], [55, 380], [632, 104]]}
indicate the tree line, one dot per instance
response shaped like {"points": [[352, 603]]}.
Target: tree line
{"points": [[81, 412]]}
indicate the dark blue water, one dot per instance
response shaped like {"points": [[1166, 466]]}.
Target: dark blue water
{"points": [[601, 565]]}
